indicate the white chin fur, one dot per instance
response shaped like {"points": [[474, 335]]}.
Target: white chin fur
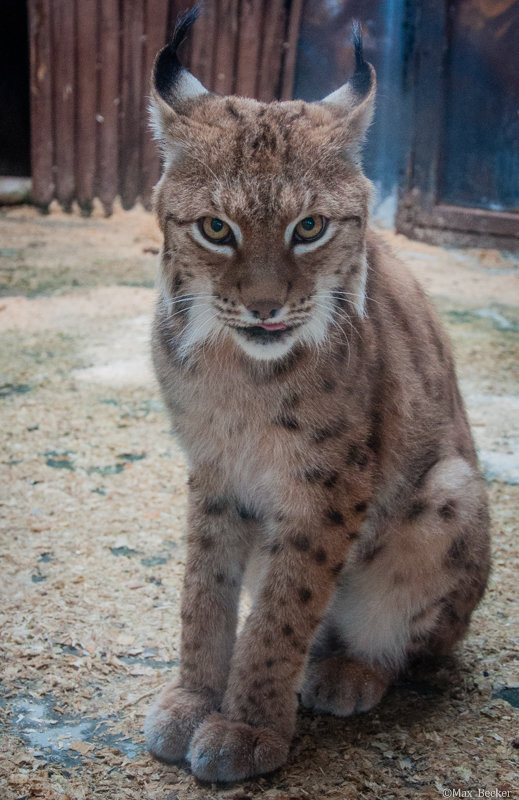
{"points": [[264, 352]]}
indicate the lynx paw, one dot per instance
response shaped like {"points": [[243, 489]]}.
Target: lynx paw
{"points": [[172, 720], [338, 686], [231, 751]]}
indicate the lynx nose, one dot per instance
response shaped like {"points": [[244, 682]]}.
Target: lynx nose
{"points": [[263, 309]]}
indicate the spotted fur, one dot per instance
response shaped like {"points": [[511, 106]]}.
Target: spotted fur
{"points": [[332, 467]]}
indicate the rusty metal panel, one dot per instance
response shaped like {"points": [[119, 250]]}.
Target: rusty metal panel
{"points": [[325, 61], [462, 181], [480, 167]]}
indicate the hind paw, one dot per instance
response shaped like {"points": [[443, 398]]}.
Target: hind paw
{"points": [[337, 685]]}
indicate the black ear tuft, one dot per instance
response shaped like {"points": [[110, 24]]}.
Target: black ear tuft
{"points": [[360, 81], [168, 66], [184, 22]]}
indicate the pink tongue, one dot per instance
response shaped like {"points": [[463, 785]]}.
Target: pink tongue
{"points": [[272, 326]]}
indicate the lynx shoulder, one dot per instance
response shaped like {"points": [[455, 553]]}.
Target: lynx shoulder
{"points": [[312, 387]]}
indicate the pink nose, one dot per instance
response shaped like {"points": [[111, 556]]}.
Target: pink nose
{"points": [[263, 309]]}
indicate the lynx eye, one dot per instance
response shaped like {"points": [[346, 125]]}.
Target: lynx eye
{"points": [[216, 230], [310, 228]]}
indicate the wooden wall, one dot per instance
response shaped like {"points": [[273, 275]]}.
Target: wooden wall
{"points": [[90, 66]]}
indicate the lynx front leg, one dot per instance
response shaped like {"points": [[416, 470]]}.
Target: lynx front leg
{"points": [[218, 543], [252, 734]]}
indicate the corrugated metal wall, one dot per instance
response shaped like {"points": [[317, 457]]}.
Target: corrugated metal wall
{"points": [[90, 67]]}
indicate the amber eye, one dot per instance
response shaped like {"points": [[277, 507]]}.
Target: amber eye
{"points": [[216, 230], [310, 228]]}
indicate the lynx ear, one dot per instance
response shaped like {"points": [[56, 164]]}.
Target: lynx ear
{"points": [[171, 84], [356, 98]]}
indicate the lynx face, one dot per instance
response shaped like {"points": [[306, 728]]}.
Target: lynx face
{"points": [[263, 209]]}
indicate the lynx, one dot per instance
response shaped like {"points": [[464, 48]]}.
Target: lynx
{"points": [[332, 470]]}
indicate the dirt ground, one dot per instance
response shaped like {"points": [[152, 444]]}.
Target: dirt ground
{"points": [[93, 518]]}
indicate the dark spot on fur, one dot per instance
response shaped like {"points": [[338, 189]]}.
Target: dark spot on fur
{"points": [[417, 508], [314, 474], [320, 555], [220, 577], [448, 510], [267, 639], [275, 548], [287, 421], [304, 594], [374, 441], [329, 385], [232, 110], [291, 400], [287, 630], [360, 507], [352, 535], [329, 431], [356, 456], [337, 568], [177, 283], [252, 700], [457, 553], [272, 694], [452, 614], [372, 553], [245, 513], [362, 460], [206, 542], [269, 663], [334, 516], [330, 480], [301, 542], [214, 506]]}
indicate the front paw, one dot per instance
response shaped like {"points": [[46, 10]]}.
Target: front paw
{"points": [[173, 718], [222, 750]]}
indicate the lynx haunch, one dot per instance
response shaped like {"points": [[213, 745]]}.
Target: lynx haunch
{"points": [[332, 469]]}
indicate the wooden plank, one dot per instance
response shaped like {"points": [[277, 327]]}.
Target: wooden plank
{"points": [[86, 125], [477, 220], [202, 45], [64, 88], [272, 38], [108, 105], [250, 28], [226, 46], [42, 147], [157, 34], [290, 49], [131, 102]]}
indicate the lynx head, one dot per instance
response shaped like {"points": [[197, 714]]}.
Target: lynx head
{"points": [[263, 207]]}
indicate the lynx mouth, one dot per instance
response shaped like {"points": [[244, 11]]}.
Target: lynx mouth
{"points": [[261, 335]]}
